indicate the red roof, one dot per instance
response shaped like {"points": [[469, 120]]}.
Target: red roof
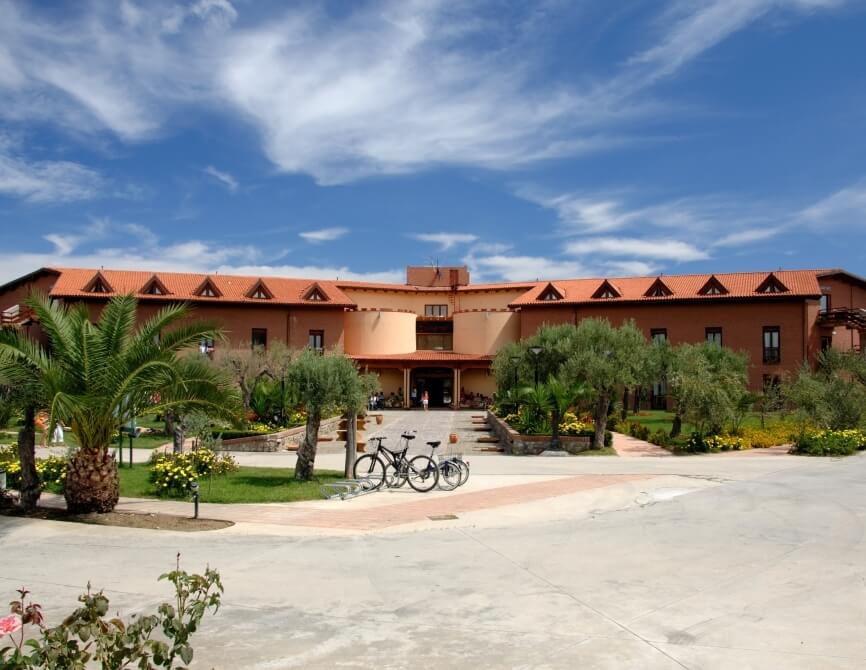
{"points": [[800, 283], [431, 356], [73, 282]]}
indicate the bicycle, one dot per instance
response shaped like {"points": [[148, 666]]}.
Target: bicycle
{"points": [[453, 470], [392, 468]]}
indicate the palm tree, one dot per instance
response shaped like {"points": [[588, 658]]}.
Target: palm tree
{"points": [[96, 377], [561, 396]]}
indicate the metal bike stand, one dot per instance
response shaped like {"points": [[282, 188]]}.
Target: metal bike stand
{"points": [[344, 489]]}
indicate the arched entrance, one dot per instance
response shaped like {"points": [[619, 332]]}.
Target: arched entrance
{"points": [[438, 382]]}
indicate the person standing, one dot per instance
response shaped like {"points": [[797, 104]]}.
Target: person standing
{"points": [[414, 397], [425, 400]]}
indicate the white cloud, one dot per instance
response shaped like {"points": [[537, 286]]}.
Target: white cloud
{"points": [[48, 181], [845, 207], [522, 268], [317, 272], [324, 235], [224, 178], [745, 237], [386, 87], [629, 268], [446, 240], [659, 249]]}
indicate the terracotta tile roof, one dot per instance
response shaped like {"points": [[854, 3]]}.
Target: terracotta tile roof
{"points": [[361, 285], [72, 283], [432, 356], [800, 283]]}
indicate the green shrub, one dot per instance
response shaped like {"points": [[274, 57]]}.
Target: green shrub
{"points": [[172, 474], [660, 438], [639, 430], [831, 442], [88, 638], [51, 471]]}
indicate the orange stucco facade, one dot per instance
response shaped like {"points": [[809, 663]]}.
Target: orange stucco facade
{"points": [[438, 332]]}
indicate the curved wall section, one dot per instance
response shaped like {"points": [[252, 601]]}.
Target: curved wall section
{"points": [[377, 333], [484, 332]]}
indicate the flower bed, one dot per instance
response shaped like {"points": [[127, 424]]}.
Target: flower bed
{"points": [[172, 474], [831, 442], [516, 443], [51, 471]]}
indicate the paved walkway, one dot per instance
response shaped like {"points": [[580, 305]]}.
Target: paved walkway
{"points": [[631, 447]]}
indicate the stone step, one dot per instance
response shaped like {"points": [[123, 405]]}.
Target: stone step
{"points": [[488, 439]]}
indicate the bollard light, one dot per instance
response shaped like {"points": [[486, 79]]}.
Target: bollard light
{"points": [[2, 480], [194, 488]]}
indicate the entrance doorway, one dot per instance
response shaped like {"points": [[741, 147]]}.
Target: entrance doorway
{"points": [[438, 382]]}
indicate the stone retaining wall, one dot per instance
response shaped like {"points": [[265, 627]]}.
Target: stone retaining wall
{"points": [[285, 439], [532, 445]]}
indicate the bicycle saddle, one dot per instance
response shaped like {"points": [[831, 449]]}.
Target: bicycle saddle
{"points": [[435, 444], [407, 436]]}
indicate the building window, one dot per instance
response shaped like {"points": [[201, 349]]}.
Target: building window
{"points": [[659, 335], [824, 303], [435, 310], [259, 338], [826, 342], [205, 346], [772, 354], [714, 335], [317, 340]]}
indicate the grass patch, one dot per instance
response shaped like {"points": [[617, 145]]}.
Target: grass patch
{"points": [[606, 451], [660, 419], [247, 485]]}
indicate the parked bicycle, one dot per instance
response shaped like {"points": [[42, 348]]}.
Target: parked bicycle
{"points": [[392, 468], [453, 471]]}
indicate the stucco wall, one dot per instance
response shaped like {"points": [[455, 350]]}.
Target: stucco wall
{"points": [[484, 332], [374, 333], [742, 326], [390, 380], [477, 381]]}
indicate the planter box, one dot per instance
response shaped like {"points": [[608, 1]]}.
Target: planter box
{"points": [[280, 441], [532, 445]]}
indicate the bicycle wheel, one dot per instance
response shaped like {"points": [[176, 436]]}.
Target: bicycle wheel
{"points": [[464, 472], [371, 468], [394, 478], [450, 475], [423, 474]]}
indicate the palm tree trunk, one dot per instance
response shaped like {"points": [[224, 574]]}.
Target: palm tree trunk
{"points": [[307, 450], [29, 490], [601, 407], [624, 411], [351, 442], [555, 420], [92, 483]]}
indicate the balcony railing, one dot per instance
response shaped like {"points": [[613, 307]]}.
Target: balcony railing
{"points": [[15, 315], [772, 355]]}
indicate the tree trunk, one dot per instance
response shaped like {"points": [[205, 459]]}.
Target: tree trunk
{"points": [[92, 483], [177, 438], [601, 408], [555, 420], [624, 412], [307, 450], [351, 443], [29, 489], [677, 425]]}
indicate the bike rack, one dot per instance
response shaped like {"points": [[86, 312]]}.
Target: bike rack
{"points": [[344, 489]]}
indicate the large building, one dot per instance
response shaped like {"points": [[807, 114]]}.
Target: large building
{"points": [[438, 332]]}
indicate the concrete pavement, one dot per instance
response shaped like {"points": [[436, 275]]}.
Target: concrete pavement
{"points": [[710, 562]]}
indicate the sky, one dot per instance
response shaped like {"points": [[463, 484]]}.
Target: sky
{"points": [[552, 139]]}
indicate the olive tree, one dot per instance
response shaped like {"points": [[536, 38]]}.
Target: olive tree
{"points": [[708, 383], [605, 358], [324, 383]]}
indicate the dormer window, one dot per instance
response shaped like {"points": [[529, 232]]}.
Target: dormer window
{"points": [[314, 293], [658, 289], [207, 289], [713, 287], [260, 292], [606, 291], [550, 293], [154, 287], [772, 284], [98, 284]]}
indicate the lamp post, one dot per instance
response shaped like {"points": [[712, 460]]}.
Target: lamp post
{"points": [[515, 360], [535, 353]]}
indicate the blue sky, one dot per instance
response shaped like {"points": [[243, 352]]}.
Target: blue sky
{"points": [[322, 139]]}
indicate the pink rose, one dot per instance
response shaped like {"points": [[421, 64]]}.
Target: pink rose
{"points": [[10, 624]]}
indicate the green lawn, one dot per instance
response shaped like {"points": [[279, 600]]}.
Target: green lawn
{"points": [[655, 419], [247, 485]]}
